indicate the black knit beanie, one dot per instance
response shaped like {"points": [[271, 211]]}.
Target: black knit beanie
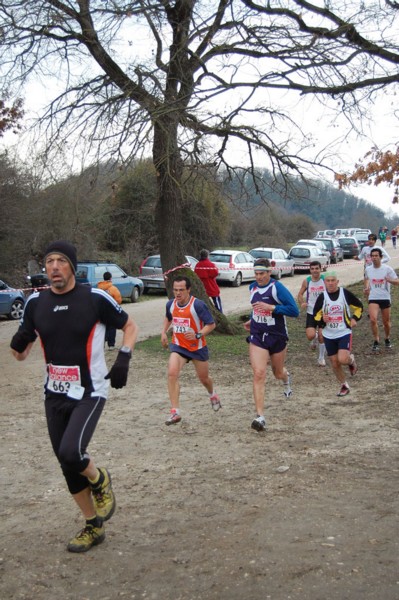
{"points": [[66, 249]]}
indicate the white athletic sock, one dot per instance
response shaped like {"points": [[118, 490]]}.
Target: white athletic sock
{"points": [[322, 351]]}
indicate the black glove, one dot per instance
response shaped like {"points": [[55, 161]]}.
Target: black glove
{"points": [[21, 340], [119, 370]]}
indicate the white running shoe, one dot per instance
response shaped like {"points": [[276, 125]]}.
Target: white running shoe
{"points": [[259, 424], [321, 362], [287, 387], [215, 401]]}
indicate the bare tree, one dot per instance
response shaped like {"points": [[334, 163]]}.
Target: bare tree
{"points": [[193, 78]]}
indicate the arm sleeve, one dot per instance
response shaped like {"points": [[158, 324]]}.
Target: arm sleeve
{"points": [[288, 306], [385, 256], [168, 314], [26, 331], [203, 312], [110, 311], [318, 310], [116, 294], [355, 304]]}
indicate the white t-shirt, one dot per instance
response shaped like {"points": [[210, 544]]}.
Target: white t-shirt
{"points": [[380, 289], [365, 253], [313, 291]]}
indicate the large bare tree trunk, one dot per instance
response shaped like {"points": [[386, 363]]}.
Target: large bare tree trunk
{"points": [[169, 168]]}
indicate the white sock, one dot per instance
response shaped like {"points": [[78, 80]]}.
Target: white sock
{"points": [[322, 351]]}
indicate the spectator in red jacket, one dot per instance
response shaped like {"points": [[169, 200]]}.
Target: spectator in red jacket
{"points": [[207, 271]]}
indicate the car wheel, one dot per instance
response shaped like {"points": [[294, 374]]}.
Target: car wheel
{"points": [[277, 275], [17, 310], [292, 272], [135, 295], [238, 280]]}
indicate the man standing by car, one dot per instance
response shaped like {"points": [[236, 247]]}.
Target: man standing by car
{"points": [[377, 288], [365, 252], [112, 290], [333, 311], [190, 320], [207, 271], [313, 285], [70, 319]]}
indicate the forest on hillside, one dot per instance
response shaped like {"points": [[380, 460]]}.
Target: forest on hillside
{"points": [[109, 212]]}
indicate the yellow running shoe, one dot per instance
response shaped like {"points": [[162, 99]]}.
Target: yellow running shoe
{"points": [[103, 496], [85, 539]]}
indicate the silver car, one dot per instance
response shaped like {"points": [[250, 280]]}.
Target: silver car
{"points": [[151, 273], [278, 259], [319, 243], [234, 266], [304, 255]]}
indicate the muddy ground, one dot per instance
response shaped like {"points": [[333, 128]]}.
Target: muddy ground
{"points": [[209, 509]]}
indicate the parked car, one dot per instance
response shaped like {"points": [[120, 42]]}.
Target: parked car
{"points": [[151, 272], [362, 239], [319, 234], [319, 243], [91, 272], [350, 246], [355, 230], [341, 232], [12, 301], [278, 259], [234, 266], [304, 255], [329, 233], [38, 280], [336, 252]]}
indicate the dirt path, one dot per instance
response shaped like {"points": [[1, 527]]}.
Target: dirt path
{"points": [[209, 509]]}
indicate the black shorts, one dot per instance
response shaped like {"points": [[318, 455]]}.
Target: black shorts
{"points": [[341, 343], [272, 343], [310, 322], [383, 304]]}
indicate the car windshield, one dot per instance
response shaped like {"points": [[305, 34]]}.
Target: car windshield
{"points": [[261, 253], [221, 258], [300, 252], [347, 241]]}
